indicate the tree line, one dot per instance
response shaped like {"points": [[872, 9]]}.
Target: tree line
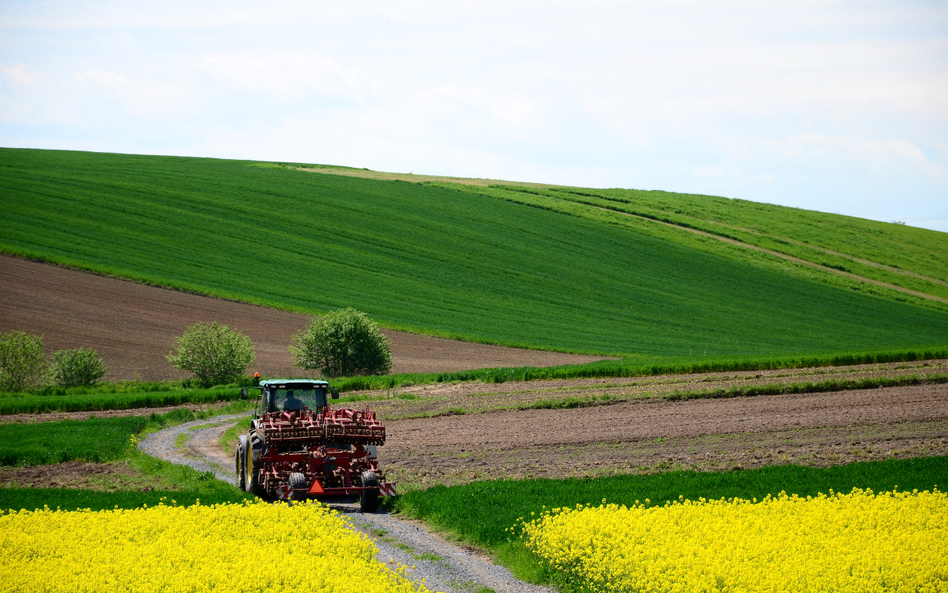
{"points": [[343, 343]]}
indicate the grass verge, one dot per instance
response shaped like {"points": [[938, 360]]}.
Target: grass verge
{"points": [[644, 367], [92, 401], [109, 439]]}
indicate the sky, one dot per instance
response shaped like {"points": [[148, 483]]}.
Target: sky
{"points": [[833, 106]]}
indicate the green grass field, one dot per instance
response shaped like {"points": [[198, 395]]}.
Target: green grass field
{"points": [[431, 259], [889, 252], [102, 440]]}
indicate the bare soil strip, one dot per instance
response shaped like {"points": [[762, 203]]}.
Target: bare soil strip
{"points": [[647, 435], [133, 326], [454, 398]]}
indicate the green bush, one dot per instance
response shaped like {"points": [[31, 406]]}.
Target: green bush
{"points": [[76, 367], [344, 343], [21, 361], [215, 354]]}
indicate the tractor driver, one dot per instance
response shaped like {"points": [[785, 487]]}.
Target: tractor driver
{"points": [[291, 404]]}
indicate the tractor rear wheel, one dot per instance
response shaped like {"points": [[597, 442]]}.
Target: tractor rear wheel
{"points": [[369, 498], [299, 486], [240, 461], [253, 455]]}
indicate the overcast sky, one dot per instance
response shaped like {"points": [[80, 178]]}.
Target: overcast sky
{"points": [[833, 106]]}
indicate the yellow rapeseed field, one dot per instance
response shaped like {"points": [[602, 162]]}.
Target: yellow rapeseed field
{"points": [[895, 541], [250, 547]]}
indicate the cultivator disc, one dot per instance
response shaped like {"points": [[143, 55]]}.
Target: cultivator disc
{"points": [[354, 427]]}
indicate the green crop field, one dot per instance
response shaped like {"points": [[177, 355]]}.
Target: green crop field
{"points": [[903, 259], [437, 260]]}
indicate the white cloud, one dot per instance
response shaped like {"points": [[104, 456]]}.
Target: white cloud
{"points": [[140, 96], [288, 77], [19, 75], [478, 107]]}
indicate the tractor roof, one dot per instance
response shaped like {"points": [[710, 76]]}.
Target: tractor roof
{"points": [[296, 383]]}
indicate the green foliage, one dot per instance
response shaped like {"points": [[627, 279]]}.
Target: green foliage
{"points": [[456, 264], [21, 361], [76, 367], [95, 401], [479, 513], [343, 343], [215, 354], [96, 440]]}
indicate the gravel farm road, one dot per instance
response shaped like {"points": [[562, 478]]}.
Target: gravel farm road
{"points": [[442, 565]]}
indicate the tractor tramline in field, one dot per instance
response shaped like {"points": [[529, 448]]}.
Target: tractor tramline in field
{"points": [[299, 447]]}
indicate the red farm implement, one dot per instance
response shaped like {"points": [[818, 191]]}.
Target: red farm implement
{"points": [[299, 447]]}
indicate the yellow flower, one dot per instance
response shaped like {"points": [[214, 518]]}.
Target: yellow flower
{"points": [[860, 541], [231, 547]]}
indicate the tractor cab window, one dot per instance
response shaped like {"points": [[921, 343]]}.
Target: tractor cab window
{"points": [[292, 399]]}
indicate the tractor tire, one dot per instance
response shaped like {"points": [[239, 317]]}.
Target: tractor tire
{"points": [[299, 486], [252, 460], [369, 499], [240, 461]]}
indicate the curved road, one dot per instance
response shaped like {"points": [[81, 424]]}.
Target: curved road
{"points": [[442, 565]]}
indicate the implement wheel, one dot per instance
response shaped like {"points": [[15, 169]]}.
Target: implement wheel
{"points": [[369, 499], [299, 486]]}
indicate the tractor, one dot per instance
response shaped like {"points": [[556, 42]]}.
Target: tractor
{"points": [[299, 447]]}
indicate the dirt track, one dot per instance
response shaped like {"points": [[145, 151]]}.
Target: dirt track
{"points": [[133, 326]]}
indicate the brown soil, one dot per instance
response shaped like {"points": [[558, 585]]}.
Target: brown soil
{"points": [[107, 477], [133, 326], [454, 398], [57, 416], [652, 434]]}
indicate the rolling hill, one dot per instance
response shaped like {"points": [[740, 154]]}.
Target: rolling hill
{"points": [[610, 272]]}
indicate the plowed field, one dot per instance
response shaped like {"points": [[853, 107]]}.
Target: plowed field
{"points": [[133, 326]]}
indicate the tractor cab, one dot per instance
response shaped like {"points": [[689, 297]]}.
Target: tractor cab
{"points": [[294, 395]]}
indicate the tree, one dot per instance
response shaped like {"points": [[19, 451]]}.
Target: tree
{"points": [[214, 353], [344, 343], [21, 361], [78, 366]]}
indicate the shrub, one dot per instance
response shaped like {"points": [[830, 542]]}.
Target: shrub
{"points": [[214, 353], [75, 367], [344, 343], [21, 361]]}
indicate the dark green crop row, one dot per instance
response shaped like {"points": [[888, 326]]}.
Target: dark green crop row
{"points": [[429, 259]]}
